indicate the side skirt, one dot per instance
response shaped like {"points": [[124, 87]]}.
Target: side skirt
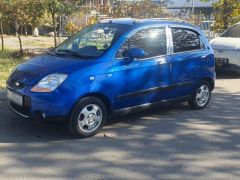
{"points": [[147, 106]]}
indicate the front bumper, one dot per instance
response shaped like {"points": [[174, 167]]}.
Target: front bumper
{"points": [[41, 105]]}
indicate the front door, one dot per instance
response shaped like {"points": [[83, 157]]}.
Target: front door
{"points": [[142, 80]]}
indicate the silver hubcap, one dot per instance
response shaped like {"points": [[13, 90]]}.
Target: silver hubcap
{"points": [[203, 95], [90, 118]]}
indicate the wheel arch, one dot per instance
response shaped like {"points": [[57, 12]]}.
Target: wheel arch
{"points": [[210, 81], [100, 96]]}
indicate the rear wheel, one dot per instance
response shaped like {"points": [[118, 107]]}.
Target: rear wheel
{"points": [[201, 96], [88, 117]]}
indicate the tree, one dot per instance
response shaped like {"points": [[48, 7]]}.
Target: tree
{"points": [[71, 28], [16, 10], [138, 9], [226, 13], [24, 13], [58, 8], [35, 11]]}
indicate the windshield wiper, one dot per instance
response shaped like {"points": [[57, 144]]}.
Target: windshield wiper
{"points": [[74, 53]]}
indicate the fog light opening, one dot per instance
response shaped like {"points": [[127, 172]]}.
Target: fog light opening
{"points": [[39, 115]]}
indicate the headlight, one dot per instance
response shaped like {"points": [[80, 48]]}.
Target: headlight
{"points": [[49, 83]]}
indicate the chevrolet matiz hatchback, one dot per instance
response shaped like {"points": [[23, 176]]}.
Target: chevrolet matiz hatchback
{"points": [[115, 66]]}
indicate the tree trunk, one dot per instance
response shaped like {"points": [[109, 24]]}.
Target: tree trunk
{"points": [[1, 32], [21, 31], [60, 30], [26, 31], [35, 32], [20, 44], [54, 29], [16, 28]]}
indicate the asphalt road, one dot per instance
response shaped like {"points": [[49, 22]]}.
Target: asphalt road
{"points": [[171, 142]]}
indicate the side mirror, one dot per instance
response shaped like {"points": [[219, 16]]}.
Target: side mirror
{"points": [[135, 53]]}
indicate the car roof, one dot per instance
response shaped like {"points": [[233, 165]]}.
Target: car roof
{"points": [[134, 21]]}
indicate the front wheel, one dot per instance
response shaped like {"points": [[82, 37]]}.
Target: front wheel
{"points": [[201, 96], [88, 117]]}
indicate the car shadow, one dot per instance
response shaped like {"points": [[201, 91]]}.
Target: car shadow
{"points": [[170, 140], [221, 74], [15, 129]]}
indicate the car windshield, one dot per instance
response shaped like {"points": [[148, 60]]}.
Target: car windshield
{"points": [[233, 31], [93, 41]]}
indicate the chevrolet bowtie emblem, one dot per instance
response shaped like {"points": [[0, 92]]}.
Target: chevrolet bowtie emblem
{"points": [[17, 84]]}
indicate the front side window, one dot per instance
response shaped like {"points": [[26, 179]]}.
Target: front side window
{"points": [[152, 41], [92, 41], [233, 31], [186, 40]]}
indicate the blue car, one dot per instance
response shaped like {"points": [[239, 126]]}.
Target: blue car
{"points": [[113, 67]]}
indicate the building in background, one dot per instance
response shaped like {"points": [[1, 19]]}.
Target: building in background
{"points": [[97, 3], [182, 8], [189, 7]]}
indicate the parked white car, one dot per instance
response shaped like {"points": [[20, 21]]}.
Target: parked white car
{"points": [[227, 49]]}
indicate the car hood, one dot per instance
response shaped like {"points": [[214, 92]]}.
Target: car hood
{"points": [[32, 71], [225, 43]]}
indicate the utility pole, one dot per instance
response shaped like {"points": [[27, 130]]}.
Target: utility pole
{"points": [[193, 8]]}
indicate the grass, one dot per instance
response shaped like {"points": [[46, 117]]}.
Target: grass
{"points": [[7, 64], [29, 42]]}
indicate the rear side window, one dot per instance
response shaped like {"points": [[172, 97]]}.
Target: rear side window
{"points": [[186, 40], [151, 40]]}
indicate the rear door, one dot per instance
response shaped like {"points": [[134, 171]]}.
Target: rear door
{"points": [[188, 58]]}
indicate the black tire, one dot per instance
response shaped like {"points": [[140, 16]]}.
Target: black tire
{"points": [[74, 126], [193, 102]]}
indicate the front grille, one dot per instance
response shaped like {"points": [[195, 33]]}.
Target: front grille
{"points": [[25, 110]]}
